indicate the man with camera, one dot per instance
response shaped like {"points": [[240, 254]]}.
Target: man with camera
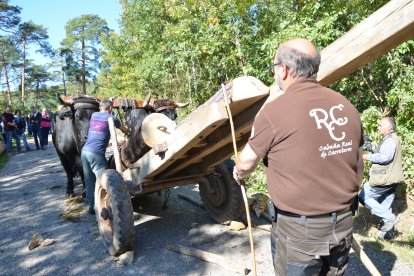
{"points": [[386, 172]]}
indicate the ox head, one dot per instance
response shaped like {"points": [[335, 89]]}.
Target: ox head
{"points": [[164, 106], [81, 109]]}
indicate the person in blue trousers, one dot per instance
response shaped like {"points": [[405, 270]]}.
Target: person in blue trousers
{"points": [[386, 172], [20, 129]]}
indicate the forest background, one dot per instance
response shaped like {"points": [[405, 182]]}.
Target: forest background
{"points": [[184, 50]]}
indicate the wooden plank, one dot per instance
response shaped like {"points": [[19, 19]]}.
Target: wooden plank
{"points": [[204, 122], [383, 30], [220, 137]]}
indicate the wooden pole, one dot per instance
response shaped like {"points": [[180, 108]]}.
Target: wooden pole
{"points": [[364, 258], [246, 204], [114, 142], [207, 256], [386, 28]]}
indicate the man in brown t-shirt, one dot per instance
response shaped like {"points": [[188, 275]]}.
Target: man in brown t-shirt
{"points": [[310, 139]]}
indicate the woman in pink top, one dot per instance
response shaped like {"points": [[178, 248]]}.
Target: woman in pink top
{"points": [[44, 128]]}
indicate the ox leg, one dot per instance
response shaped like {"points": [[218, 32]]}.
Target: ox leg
{"points": [[70, 174], [69, 188], [79, 167]]}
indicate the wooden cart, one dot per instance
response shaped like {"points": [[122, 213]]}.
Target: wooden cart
{"points": [[192, 152]]}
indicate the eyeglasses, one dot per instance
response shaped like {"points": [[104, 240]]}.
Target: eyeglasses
{"points": [[273, 65]]}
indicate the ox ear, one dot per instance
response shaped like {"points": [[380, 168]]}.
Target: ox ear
{"points": [[147, 100], [182, 104]]}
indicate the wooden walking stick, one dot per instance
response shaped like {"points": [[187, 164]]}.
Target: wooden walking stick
{"points": [[114, 142], [364, 258], [246, 205]]}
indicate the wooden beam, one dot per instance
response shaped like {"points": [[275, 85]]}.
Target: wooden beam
{"points": [[209, 257], [383, 30], [215, 140], [203, 123]]}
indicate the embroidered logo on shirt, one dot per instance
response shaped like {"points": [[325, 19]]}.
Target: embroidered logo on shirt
{"points": [[330, 120], [322, 117]]}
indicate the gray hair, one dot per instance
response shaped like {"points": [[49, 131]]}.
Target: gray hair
{"points": [[391, 122], [299, 63]]}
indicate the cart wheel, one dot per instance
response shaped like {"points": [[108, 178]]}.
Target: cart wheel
{"points": [[114, 213], [221, 195]]}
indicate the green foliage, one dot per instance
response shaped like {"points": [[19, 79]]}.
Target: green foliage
{"points": [[185, 50], [82, 48], [257, 181], [9, 16]]}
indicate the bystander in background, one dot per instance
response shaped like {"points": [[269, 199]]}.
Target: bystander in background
{"points": [[45, 123], [21, 128]]}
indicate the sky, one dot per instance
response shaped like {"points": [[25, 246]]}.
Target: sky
{"points": [[54, 14]]}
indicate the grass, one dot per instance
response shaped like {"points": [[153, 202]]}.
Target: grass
{"points": [[401, 246], [3, 160]]}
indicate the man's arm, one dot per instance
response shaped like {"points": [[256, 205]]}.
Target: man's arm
{"points": [[385, 155], [245, 163]]}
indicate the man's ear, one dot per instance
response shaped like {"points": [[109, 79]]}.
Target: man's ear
{"points": [[285, 72]]}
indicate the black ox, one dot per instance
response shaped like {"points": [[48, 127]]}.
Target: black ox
{"points": [[69, 136], [134, 146]]}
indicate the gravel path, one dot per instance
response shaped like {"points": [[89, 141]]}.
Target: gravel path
{"points": [[32, 196]]}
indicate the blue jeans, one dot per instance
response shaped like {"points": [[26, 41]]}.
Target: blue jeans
{"points": [[22, 135], [9, 136], [378, 199], [93, 164]]}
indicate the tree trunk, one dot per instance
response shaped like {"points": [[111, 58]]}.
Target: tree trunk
{"points": [[36, 94], [7, 81], [83, 68], [239, 52], [123, 4], [64, 82], [23, 66]]}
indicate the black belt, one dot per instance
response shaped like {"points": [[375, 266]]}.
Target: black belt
{"points": [[337, 213]]}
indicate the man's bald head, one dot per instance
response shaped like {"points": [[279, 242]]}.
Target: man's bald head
{"points": [[300, 56]]}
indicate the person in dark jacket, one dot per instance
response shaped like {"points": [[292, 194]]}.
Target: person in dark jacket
{"points": [[34, 120], [21, 127], [9, 127]]}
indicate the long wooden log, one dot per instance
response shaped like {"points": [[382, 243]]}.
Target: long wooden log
{"points": [[377, 34], [207, 256]]}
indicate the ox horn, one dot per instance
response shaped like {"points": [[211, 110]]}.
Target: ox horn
{"points": [[182, 104], [147, 100], [66, 100]]}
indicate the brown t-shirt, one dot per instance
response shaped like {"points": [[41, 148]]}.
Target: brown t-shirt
{"points": [[309, 138]]}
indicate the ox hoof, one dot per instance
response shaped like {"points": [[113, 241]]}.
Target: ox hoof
{"points": [[70, 195]]}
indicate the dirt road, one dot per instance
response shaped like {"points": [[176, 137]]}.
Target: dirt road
{"points": [[32, 196]]}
